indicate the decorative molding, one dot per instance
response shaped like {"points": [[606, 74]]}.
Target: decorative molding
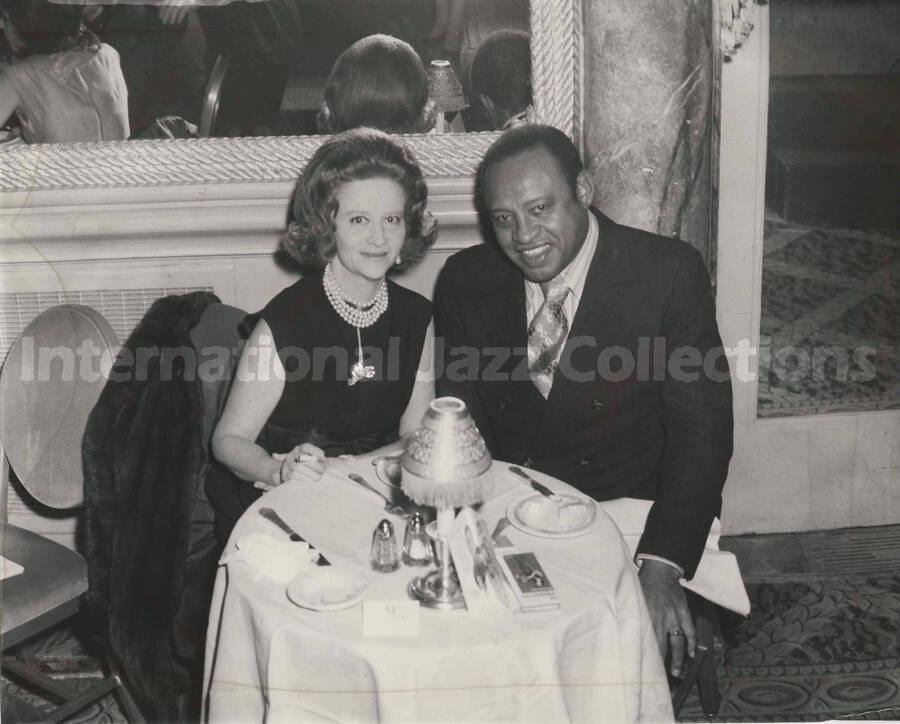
{"points": [[186, 162], [556, 69], [557, 64], [227, 220]]}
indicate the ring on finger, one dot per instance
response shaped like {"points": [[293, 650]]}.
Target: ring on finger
{"points": [[676, 632]]}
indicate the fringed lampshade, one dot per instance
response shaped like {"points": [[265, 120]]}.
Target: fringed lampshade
{"points": [[444, 87], [445, 91], [446, 465]]}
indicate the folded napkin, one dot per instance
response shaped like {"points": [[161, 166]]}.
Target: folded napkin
{"points": [[274, 558], [717, 579]]}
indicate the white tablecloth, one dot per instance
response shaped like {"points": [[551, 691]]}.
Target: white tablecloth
{"points": [[595, 659]]}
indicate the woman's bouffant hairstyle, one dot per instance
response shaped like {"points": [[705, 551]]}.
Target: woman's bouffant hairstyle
{"points": [[46, 27], [355, 155], [378, 82]]}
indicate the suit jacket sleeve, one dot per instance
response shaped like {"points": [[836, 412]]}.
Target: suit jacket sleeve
{"points": [[697, 420], [451, 339]]}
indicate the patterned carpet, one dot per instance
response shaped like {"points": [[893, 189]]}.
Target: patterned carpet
{"points": [[62, 655], [829, 320], [811, 650]]}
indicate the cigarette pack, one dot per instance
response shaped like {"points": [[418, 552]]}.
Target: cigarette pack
{"points": [[528, 581]]}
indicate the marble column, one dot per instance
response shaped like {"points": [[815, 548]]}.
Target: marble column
{"points": [[649, 121]]}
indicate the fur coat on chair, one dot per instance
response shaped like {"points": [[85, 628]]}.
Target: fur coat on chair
{"points": [[143, 456]]}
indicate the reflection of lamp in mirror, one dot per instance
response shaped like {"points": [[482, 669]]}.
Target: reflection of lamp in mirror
{"points": [[446, 465], [445, 90]]}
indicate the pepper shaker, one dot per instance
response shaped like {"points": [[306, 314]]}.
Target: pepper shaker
{"points": [[385, 555], [416, 544]]}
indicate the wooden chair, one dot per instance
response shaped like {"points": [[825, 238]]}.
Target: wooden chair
{"points": [[41, 425], [702, 668], [212, 96]]}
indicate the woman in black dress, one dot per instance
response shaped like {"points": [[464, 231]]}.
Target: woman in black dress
{"points": [[339, 362]]}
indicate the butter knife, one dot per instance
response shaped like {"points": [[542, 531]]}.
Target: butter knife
{"points": [[542, 489], [273, 517]]}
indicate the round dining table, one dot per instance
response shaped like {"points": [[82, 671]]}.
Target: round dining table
{"points": [[593, 659]]}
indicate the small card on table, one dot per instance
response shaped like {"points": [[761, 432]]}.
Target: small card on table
{"points": [[390, 618]]}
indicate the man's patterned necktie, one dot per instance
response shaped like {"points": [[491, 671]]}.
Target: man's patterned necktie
{"points": [[546, 335]]}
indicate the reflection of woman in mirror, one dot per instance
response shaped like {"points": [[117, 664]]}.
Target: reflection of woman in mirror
{"points": [[66, 86], [380, 82], [332, 366]]}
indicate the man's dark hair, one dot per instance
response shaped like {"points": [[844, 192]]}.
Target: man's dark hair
{"points": [[501, 70], [526, 138]]}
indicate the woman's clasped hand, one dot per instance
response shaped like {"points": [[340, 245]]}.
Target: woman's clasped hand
{"points": [[304, 462]]}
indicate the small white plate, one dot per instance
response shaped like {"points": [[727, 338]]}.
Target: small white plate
{"points": [[326, 588], [545, 518]]}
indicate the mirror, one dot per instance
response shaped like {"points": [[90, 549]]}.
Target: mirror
{"points": [[222, 68], [556, 83]]}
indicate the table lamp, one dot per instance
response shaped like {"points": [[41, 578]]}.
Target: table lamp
{"points": [[445, 90], [446, 465]]}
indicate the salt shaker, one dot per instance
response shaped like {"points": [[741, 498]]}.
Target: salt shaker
{"points": [[416, 544], [385, 556]]}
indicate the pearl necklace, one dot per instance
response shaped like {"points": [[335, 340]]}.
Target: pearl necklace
{"points": [[351, 311], [356, 315]]}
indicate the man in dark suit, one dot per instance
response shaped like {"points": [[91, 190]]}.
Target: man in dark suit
{"points": [[590, 351]]}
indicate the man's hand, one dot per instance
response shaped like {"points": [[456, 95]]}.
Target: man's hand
{"points": [[668, 611]]}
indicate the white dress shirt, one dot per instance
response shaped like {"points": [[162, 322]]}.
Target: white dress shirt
{"points": [[574, 276]]}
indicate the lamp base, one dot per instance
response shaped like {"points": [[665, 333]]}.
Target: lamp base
{"points": [[437, 591]]}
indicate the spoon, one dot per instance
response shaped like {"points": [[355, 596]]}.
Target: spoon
{"points": [[388, 506]]}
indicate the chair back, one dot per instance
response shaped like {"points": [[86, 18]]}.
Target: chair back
{"points": [[49, 384], [212, 96]]}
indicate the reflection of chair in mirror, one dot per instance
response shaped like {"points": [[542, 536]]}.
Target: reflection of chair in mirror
{"points": [[148, 527], [165, 65], [212, 96], [44, 411]]}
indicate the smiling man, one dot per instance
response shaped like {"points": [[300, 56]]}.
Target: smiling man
{"points": [[590, 351]]}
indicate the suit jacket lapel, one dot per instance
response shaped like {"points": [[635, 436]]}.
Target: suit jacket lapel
{"points": [[507, 317], [610, 270]]}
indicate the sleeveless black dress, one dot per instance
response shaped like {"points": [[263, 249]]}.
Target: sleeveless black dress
{"points": [[317, 349]]}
